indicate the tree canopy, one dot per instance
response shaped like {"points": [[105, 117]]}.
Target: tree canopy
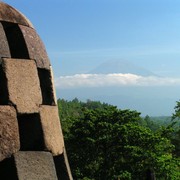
{"points": [[104, 142]]}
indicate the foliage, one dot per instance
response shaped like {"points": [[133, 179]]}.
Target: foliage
{"points": [[69, 111], [176, 137], [106, 143]]}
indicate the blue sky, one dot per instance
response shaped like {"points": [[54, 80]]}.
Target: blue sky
{"points": [[79, 35]]}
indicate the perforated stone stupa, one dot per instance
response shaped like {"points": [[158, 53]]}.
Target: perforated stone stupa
{"points": [[31, 140]]}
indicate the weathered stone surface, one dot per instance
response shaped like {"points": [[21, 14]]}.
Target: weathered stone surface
{"points": [[10, 14], [35, 47], [23, 84], [51, 127], [9, 133], [4, 48], [53, 85], [35, 166], [29, 118]]}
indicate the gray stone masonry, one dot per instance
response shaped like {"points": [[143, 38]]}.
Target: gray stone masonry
{"points": [[35, 47], [51, 128], [23, 84], [9, 133], [31, 139], [35, 166], [10, 14]]}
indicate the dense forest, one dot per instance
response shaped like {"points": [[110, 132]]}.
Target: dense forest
{"points": [[107, 143]]}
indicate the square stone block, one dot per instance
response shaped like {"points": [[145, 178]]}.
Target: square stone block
{"points": [[23, 84], [35, 166], [51, 127], [9, 132], [4, 47], [35, 47]]}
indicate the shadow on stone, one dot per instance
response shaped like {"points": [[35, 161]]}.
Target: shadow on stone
{"points": [[62, 167], [46, 86], [16, 41], [8, 169], [30, 130], [3, 88]]}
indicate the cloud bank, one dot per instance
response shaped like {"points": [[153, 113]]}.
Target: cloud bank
{"points": [[114, 80]]}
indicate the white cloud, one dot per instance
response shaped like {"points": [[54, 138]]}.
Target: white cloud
{"points": [[106, 80]]}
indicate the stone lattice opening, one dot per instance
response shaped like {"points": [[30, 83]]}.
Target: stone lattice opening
{"points": [[16, 41], [31, 134], [46, 86], [3, 88], [61, 168], [8, 169]]}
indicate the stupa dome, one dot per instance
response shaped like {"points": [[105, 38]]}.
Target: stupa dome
{"points": [[30, 129], [10, 14], [18, 38]]}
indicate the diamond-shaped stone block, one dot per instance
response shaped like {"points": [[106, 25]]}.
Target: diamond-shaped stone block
{"points": [[4, 47], [51, 127], [23, 84], [35, 47], [35, 166], [10, 14], [9, 132]]}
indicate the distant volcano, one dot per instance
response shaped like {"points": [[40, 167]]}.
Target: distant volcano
{"points": [[121, 66]]}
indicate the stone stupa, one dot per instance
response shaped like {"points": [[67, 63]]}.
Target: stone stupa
{"points": [[31, 139]]}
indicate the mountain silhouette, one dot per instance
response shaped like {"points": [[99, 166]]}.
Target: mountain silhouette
{"points": [[121, 66]]}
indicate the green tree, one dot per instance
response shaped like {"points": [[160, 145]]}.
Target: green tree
{"points": [[69, 111], [151, 124], [109, 143], [176, 135]]}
